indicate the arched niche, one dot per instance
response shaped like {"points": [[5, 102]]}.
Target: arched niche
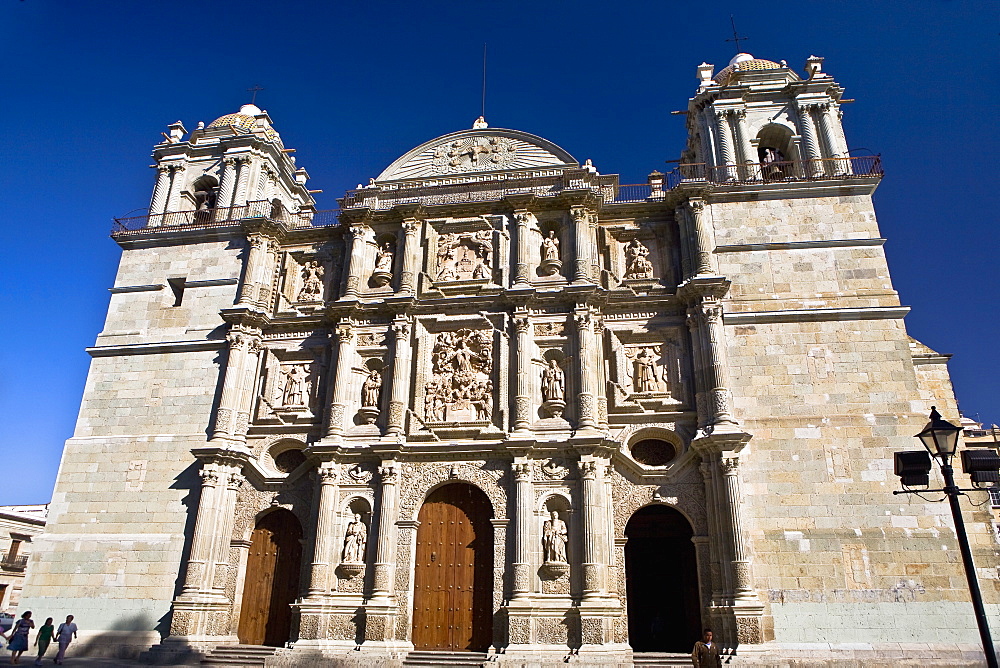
{"points": [[776, 150]]}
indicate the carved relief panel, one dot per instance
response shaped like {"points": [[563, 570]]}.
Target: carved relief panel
{"points": [[289, 384], [306, 276], [465, 254], [648, 369], [637, 257]]}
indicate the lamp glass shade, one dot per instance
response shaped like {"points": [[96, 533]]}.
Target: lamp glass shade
{"points": [[940, 437]]}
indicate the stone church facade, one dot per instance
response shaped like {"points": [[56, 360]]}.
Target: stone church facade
{"points": [[500, 403]]}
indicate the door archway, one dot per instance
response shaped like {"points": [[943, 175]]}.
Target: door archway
{"points": [[661, 581], [271, 583], [453, 571]]}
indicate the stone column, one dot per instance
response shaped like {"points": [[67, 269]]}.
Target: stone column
{"points": [[703, 238], [411, 257], [270, 265], [689, 254], [341, 393], [715, 533], [594, 528], [248, 380], [224, 200], [727, 151], [199, 565], [242, 180], [808, 130], [354, 267], [224, 530], [399, 398], [698, 362], [174, 192], [159, 202], [522, 356], [521, 268], [742, 576], [829, 123], [582, 242], [714, 352], [227, 416], [255, 257], [708, 154], [383, 582], [586, 356], [326, 520], [525, 500], [749, 155]]}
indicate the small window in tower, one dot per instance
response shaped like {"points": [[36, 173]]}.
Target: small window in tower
{"points": [[177, 285]]}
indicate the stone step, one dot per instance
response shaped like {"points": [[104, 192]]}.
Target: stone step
{"points": [[658, 659], [427, 658], [238, 655]]}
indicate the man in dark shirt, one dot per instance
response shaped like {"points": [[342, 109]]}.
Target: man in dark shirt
{"points": [[706, 653]]}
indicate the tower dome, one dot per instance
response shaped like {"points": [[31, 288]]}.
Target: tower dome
{"points": [[743, 62], [244, 122]]}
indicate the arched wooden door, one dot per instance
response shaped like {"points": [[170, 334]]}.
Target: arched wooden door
{"points": [[272, 580], [453, 574], [661, 581]]}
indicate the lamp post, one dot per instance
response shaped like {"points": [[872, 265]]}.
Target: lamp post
{"points": [[940, 438]]}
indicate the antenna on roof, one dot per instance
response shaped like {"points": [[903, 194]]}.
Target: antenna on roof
{"points": [[256, 89], [736, 37]]}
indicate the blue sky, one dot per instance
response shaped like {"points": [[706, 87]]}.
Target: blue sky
{"points": [[88, 87]]}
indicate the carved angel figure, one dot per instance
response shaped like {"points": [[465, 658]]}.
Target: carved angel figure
{"points": [[550, 247], [554, 538], [637, 264], [354, 541], [372, 388], [312, 283], [294, 393], [553, 382]]}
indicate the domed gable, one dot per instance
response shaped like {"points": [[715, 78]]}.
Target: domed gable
{"points": [[244, 122], [744, 62], [477, 150]]}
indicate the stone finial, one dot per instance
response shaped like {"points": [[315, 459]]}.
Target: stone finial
{"points": [[814, 66], [480, 124], [705, 72], [177, 132], [589, 166]]}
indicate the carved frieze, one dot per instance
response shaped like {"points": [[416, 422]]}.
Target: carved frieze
{"points": [[460, 388]]}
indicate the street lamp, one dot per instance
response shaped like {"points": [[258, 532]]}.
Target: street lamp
{"points": [[940, 438]]}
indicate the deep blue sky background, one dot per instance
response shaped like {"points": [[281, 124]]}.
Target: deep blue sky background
{"points": [[87, 87]]}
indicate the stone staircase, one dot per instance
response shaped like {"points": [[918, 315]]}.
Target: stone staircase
{"points": [[238, 655], [444, 659], [660, 659]]}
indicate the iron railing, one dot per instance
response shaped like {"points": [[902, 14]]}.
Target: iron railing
{"points": [[16, 563], [224, 217]]}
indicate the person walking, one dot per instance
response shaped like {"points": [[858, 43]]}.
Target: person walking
{"points": [[64, 636], [19, 637], [43, 639], [706, 653]]}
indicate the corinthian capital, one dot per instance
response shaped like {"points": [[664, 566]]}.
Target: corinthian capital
{"points": [[697, 205], [388, 473], [711, 312], [345, 331]]}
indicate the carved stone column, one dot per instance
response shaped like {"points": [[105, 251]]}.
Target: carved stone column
{"points": [[727, 151], [159, 202], [383, 582], [224, 200], [270, 265], [231, 417], [354, 267], [255, 258], [522, 274], [525, 497], [326, 519], [174, 192], [704, 124], [829, 123], [748, 155], [399, 398], [586, 358], [716, 537], [583, 244], [242, 180], [200, 561], [411, 257], [742, 576], [703, 238], [522, 398], [224, 530], [341, 393], [808, 129], [714, 359], [594, 529]]}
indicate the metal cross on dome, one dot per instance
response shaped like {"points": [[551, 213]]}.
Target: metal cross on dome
{"points": [[736, 37], [256, 89]]}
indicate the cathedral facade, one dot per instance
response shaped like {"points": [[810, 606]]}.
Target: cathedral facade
{"points": [[499, 403]]}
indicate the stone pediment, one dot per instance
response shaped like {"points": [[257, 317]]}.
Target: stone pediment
{"points": [[475, 151]]}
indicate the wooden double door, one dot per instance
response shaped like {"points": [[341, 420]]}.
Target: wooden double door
{"points": [[272, 580], [453, 573]]}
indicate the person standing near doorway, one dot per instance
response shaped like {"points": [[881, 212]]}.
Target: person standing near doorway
{"points": [[43, 639], [706, 653], [64, 636]]}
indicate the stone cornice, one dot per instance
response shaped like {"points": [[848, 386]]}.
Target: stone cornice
{"points": [[815, 315], [793, 245], [156, 348]]}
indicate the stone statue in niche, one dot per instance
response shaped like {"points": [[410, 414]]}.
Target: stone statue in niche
{"points": [[372, 388], [464, 256], [647, 374], [553, 382], [637, 264], [554, 538], [550, 263], [460, 388], [294, 391], [354, 541], [312, 282], [383, 265]]}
